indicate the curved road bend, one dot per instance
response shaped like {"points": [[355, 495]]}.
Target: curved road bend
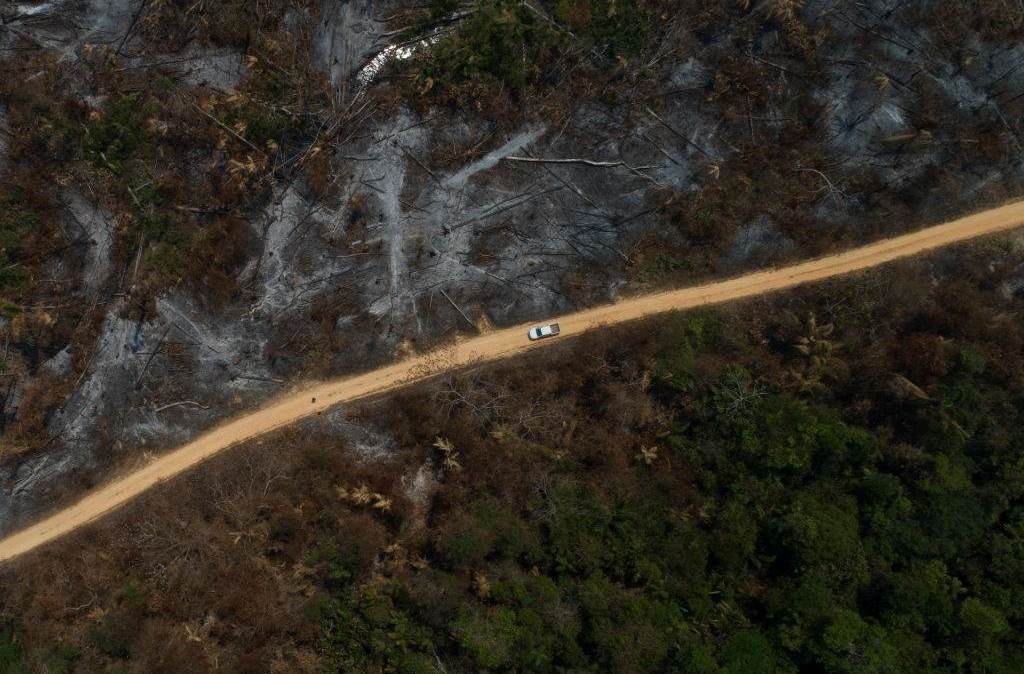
{"points": [[488, 347]]}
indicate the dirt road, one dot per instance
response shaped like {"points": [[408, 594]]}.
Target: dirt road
{"points": [[488, 347]]}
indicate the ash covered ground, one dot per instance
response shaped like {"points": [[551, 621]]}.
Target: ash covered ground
{"points": [[723, 145]]}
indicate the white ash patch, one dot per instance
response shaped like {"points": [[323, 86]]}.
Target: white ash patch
{"points": [[59, 365], [97, 231], [108, 20], [757, 243], [368, 444], [25, 10], [345, 38], [29, 477], [496, 237], [113, 363], [218, 68], [443, 226], [419, 488], [515, 144], [388, 172], [41, 470], [1000, 68], [986, 82], [228, 353], [295, 18], [96, 101], [867, 126], [1013, 287], [676, 161], [963, 91], [691, 73], [859, 115], [371, 446], [114, 403], [295, 266], [66, 26]]}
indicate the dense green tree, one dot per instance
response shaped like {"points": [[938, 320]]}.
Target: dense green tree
{"points": [[10, 652], [627, 631], [923, 598], [819, 534], [849, 645], [372, 630], [750, 652]]}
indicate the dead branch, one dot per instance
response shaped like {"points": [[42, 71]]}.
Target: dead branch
{"points": [[832, 189], [754, 57], [152, 355], [587, 162], [180, 403], [423, 166], [575, 188], [226, 128], [250, 377], [660, 149], [131, 27], [679, 133], [492, 210], [68, 610], [1002, 118], [461, 312]]}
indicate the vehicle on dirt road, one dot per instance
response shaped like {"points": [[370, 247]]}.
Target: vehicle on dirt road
{"points": [[542, 331]]}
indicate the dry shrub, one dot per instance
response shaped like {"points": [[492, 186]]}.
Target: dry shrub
{"points": [[221, 250], [994, 20], [163, 647], [921, 356], [574, 13], [29, 430], [318, 170]]}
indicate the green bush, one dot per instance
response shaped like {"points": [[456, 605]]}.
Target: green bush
{"points": [[114, 634], [61, 659], [114, 136], [627, 630], [21, 231], [340, 563], [10, 653], [488, 636], [502, 42], [372, 630], [612, 27], [487, 528], [750, 652]]}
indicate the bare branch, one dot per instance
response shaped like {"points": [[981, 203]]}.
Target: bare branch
{"points": [[181, 402], [461, 312], [226, 128], [679, 133], [587, 162]]}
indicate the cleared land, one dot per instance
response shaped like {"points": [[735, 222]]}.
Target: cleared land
{"points": [[488, 347]]}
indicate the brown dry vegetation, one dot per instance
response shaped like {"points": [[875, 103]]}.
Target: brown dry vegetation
{"points": [[221, 567], [179, 169], [235, 566], [182, 170]]}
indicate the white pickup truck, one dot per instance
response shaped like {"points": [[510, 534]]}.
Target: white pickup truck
{"points": [[542, 331]]}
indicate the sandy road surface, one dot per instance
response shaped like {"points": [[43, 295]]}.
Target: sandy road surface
{"points": [[488, 347]]}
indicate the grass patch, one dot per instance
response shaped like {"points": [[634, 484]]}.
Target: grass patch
{"points": [[114, 137]]}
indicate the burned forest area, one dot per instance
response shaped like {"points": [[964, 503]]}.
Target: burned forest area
{"points": [[206, 205]]}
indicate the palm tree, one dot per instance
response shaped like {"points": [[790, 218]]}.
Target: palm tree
{"points": [[819, 355]]}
